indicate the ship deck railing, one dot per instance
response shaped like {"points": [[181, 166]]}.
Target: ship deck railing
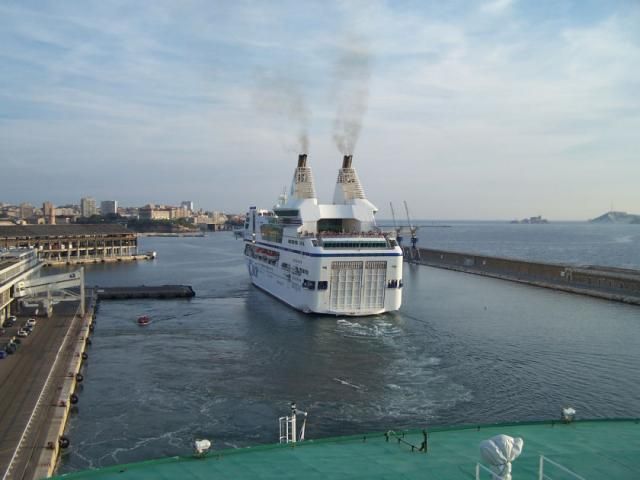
{"points": [[328, 234]]}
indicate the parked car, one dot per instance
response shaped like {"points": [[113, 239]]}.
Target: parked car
{"points": [[22, 333], [3, 354], [31, 322]]}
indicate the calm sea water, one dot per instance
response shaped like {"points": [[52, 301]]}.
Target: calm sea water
{"points": [[462, 349], [578, 243]]}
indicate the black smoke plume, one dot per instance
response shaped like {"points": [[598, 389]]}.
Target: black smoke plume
{"points": [[351, 92], [281, 96]]}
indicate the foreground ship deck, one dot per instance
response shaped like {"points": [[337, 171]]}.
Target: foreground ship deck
{"points": [[592, 449]]}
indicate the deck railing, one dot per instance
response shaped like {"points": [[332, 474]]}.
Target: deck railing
{"points": [[541, 474], [479, 466]]}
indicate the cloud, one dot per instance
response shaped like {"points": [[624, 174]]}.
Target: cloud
{"points": [[496, 6], [460, 97]]}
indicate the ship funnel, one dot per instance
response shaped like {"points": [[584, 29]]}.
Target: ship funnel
{"points": [[302, 184], [348, 186]]}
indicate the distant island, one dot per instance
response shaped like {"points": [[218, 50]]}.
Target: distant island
{"points": [[617, 217], [537, 219]]}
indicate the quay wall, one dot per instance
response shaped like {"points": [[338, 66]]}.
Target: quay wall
{"points": [[87, 260], [68, 373], [617, 284]]}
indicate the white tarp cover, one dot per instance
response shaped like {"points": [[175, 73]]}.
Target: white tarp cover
{"points": [[499, 452], [202, 446]]}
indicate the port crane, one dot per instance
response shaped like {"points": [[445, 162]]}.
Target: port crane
{"points": [[395, 225], [414, 252]]}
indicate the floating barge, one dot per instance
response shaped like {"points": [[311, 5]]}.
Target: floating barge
{"points": [[143, 291]]}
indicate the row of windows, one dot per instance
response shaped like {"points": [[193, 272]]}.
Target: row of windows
{"points": [[311, 285], [354, 245], [323, 284]]}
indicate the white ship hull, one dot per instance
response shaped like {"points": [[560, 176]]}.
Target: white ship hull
{"points": [[356, 284], [324, 258]]}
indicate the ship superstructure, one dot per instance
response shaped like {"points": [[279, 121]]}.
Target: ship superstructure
{"points": [[324, 258]]}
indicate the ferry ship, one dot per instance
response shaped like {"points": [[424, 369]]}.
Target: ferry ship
{"points": [[324, 258]]}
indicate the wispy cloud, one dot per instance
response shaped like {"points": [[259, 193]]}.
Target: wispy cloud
{"points": [[461, 96], [496, 6]]}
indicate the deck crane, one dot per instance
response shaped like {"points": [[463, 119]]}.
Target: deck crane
{"points": [[414, 237], [395, 226]]}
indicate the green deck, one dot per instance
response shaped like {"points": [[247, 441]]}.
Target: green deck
{"points": [[596, 449]]}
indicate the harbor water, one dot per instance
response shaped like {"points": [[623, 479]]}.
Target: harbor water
{"points": [[462, 349]]}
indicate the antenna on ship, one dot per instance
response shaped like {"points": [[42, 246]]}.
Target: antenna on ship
{"points": [[282, 198], [395, 225], [288, 433], [415, 253]]}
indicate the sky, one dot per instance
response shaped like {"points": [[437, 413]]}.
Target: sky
{"points": [[467, 110]]}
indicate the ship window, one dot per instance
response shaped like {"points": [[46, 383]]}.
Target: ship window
{"points": [[355, 245], [308, 284], [323, 285], [271, 233], [330, 225], [287, 213]]}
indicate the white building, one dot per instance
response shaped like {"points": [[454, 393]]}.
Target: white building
{"points": [[88, 207], [108, 207]]}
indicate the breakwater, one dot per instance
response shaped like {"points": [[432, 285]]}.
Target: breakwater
{"points": [[610, 283]]}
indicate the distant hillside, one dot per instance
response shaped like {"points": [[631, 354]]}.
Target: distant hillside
{"points": [[617, 217]]}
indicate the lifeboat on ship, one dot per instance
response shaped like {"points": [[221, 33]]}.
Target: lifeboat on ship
{"points": [[144, 320]]}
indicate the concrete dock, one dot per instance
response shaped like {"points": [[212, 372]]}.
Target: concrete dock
{"points": [[90, 260], [143, 291], [617, 284], [36, 384]]}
